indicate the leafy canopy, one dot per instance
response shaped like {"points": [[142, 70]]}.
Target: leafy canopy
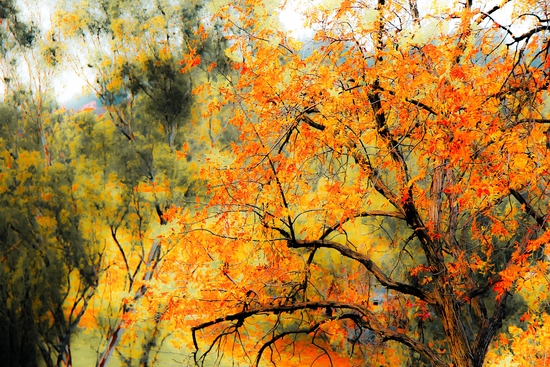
{"points": [[387, 199]]}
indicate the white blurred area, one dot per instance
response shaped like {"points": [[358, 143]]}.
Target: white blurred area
{"points": [[292, 20], [67, 84]]}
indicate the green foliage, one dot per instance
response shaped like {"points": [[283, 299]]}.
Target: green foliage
{"points": [[23, 33], [49, 262]]}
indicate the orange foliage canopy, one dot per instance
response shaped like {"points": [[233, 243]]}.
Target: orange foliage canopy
{"points": [[389, 188]]}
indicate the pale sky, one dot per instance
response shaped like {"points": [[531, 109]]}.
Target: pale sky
{"points": [[68, 84]]}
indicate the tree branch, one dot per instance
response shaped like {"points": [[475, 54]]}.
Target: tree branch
{"points": [[541, 220], [364, 317], [271, 341], [529, 33], [305, 118], [479, 291], [371, 213], [385, 280], [409, 100], [379, 185], [375, 100], [488, 331]]}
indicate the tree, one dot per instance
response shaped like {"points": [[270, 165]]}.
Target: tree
{"points": [[49, 259], [405, 156], [143, 61]]}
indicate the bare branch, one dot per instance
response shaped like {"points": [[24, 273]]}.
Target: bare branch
{"points": [[384, 279], [530, 33], [371, 213], [270, 342], [364, 317], [537, 121], [305, 118], [528, 208]]}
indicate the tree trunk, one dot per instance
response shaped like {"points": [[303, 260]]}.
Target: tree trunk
{"points": [[114, 338], [460, 349]]}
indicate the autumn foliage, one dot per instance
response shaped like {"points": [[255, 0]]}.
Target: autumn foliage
{"points": [[387, 199], [368, 189]]}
